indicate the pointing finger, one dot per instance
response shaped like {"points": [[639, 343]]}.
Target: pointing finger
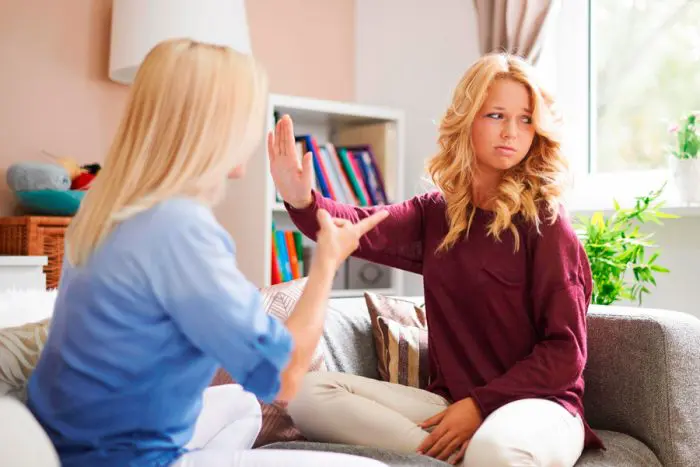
{"points": [[368, 223], [324, 219], [271, 146]]}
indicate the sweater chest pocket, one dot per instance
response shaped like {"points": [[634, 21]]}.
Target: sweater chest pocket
{"points": [[502, 277], [504, 296]]}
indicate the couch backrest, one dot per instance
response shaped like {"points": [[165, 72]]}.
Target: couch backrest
{"points": [[347, 339], [643, 378]]}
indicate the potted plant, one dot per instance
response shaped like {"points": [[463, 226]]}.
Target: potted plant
{"points": [[617, 250], [684, 162]]}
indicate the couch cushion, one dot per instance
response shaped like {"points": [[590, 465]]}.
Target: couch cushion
{"points": [[622, 451], [391, 458]]}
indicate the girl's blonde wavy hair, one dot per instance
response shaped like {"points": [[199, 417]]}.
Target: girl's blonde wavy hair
{"points": [[195, 112], [532, 187]]}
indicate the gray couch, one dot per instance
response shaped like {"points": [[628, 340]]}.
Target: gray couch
{"points": [[642, 384]]}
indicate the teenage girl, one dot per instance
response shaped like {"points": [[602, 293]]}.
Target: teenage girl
{"points": [[506, 281]]}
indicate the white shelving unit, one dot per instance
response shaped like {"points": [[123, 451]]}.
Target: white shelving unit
{"points": [[250, 208]]}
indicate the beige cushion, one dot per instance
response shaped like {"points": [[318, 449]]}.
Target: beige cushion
{"points": [[20, 347], [23, 443]]}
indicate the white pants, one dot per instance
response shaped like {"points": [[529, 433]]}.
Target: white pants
{"points": [[226, 430], [344, 408]]}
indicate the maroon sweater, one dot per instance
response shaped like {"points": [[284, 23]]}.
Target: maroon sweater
{"points": [[504, 325]]}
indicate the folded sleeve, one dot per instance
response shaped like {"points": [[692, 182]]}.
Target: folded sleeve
{"points": [[201, 289]]}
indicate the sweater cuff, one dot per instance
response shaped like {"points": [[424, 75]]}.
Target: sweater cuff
{"points": [[312, 207], [481, 404]]}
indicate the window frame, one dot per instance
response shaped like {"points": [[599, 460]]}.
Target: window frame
{"points": [[593, 190]]}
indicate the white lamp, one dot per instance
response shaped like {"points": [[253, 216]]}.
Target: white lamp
{"points": [[138, 25]]}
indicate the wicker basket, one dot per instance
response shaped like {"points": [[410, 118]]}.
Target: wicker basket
{"points": [[36, 236]]}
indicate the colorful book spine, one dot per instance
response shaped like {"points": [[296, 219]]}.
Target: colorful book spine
{"points": [[298, 245], [287, 256], [355, 181], [284, 256], [292, 252], [276, 269]]}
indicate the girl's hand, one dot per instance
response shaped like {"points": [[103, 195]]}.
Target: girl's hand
{"points": [[293, 177], [339, 238], [454, 427]]}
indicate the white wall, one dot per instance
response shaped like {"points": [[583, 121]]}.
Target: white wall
{"points": [[410, 54]]}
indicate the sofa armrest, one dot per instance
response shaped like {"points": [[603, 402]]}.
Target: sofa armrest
{"points": [[22, 440], [643, 378]]}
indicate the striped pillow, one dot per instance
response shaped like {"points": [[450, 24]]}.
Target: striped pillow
{"points": [[400, 332], [405, 353]]}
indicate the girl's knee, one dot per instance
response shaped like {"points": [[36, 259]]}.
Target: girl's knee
{"points": [[489, 451], [233, 402], [315, 390]]}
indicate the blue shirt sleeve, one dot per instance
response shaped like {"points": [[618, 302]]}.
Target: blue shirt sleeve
{"points": [[217, 308]]}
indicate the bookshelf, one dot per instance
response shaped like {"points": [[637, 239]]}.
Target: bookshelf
{"points": [[251, 208]]}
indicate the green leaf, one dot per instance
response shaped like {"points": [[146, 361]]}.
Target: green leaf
{"points": [[597, 220], [666, 215]]}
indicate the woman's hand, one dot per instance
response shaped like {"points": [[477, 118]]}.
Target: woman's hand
{"points": [[338, 238], [293, 177], [454, 427]]}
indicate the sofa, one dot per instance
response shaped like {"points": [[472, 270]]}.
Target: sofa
{"points": [[642, 384], [642, 395]]}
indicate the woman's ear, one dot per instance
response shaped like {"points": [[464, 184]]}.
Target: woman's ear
{"points": [[237, 172]]}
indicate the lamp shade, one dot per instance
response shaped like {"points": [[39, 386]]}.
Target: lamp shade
{"points": [[138, 25]]}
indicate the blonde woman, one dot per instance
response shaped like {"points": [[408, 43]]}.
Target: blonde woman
{"points": [[506, 283], [151, 301]]}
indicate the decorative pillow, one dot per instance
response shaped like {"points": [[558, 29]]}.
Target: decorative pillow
{"points": [[279, 300], [400, 333], [20, 347]]}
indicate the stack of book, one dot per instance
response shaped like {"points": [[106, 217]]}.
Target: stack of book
{"points": [[348, 174]]}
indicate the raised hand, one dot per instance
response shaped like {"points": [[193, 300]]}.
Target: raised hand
{"points": [[293, 178], [339, 238]]}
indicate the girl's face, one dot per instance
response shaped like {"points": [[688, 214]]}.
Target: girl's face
{"points": [[502, 131]]}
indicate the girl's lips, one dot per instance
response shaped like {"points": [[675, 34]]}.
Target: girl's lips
{"points": [[506, 150]]}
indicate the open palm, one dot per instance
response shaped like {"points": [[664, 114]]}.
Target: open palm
{"points": [[293, 177]]}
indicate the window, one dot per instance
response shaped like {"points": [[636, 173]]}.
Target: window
{"points": [[645, 74]]}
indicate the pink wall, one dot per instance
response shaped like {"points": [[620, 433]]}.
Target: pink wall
{"points": [[54, 92]]}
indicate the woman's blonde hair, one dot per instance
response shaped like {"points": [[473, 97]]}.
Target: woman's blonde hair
{"points": [[195, 111], [530, 188]]}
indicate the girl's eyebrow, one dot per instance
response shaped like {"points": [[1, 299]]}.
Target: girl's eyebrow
{"points": [[525, 109]]}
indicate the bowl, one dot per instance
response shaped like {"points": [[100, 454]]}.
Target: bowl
{"points": [[50, 202]]}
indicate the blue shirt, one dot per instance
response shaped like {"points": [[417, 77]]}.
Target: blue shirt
{"points": [[138, 333]]}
